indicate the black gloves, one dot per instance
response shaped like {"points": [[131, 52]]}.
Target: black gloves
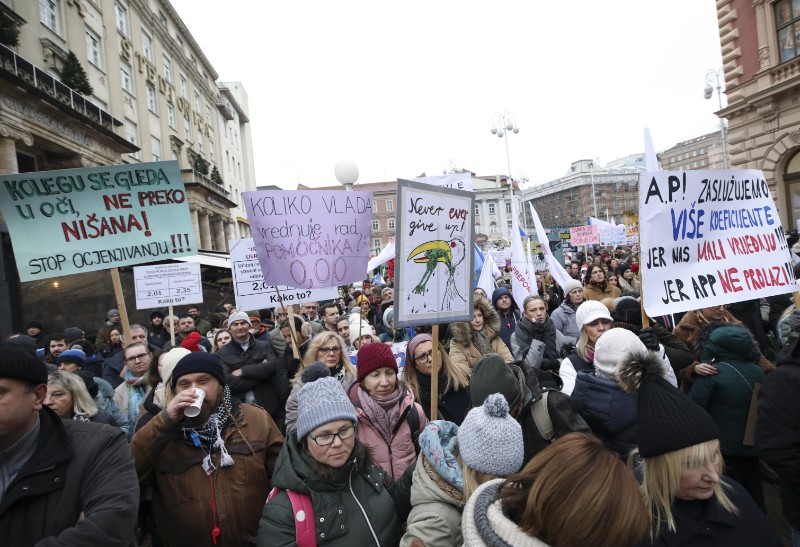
{"points": [[649, 338]]}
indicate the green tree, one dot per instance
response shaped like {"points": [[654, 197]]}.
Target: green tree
{"points": [[215, 176], [9, 31], [201, 166], [73, 75]]}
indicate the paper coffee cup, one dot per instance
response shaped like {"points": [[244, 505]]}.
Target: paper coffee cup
{"points": [[194, 409]]}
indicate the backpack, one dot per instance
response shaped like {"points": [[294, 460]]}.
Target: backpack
{"points": [[411, 415], [303, 509], [541, 417], [566, 415]]}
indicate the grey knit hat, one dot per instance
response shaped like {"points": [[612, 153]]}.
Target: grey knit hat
{"points": [[320, 402], [239, 316], [489, 440], [570, 286]]}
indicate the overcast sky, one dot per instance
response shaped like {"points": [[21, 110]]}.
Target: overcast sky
{"points": [[404, 88]]}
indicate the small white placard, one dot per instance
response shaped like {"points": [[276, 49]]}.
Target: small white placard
{"points": [[167, 285]]}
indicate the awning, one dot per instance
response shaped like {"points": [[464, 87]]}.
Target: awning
{"points": [[209, 258]]}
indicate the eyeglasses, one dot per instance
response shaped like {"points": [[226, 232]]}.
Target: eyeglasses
{"points": [[334, 349], [324, 439], [424, 357], [135, 358], [312, 307], [281, 315]]}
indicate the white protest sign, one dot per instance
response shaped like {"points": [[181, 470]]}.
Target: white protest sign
{"points": [[612, 235], [253, 293], [167, 285], [584, 235], [458, 181], [709, 238], [434, 262], [398, 350], [312, 238]]}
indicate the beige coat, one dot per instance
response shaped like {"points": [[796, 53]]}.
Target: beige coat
{"points": [[463, 351]]}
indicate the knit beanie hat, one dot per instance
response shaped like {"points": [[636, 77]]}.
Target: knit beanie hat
{"points": [[156, 314], [371, 357], [570, 286], [358, 327], [191, 342], [75, 356], [200, 361], [628, 310], [320, 402], [667, 420], [34, 325], [112, 311], [239, 316], [170, 360], [411, 347], [489, 440], [589, 311], [613, 347], [492, 375], [19, 364], [73, 333]]}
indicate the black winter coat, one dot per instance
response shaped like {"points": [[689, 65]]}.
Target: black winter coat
{"points": [[265, 379], [778, 428], [453, 404], [703, 523], [80, 488]]}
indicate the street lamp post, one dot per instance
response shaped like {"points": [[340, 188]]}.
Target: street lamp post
{"points": [[718, 76], [346, 172], [502, 123]]}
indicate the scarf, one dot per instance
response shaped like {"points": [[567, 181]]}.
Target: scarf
{"points": [[211, 431], [135, 388], [425, 387], [81, 418], [544, 332], [382, 413], [439, 443], [338, 373], [481, 343], [602, 285]]}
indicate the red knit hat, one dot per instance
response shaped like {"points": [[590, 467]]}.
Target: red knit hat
{"points": [[373, 356], [191, 342]]}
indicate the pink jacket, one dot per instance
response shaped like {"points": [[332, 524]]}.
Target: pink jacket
{"points": [[394, 458]]}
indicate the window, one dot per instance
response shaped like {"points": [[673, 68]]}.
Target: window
{"points": [[125, 77], [389, 205], [132, 135], [162, 18], [390, 224], [376, 245], [491, 208], [509, 224], [147, 46], [197, 102], [49, 14], [208, 115], [376, 224], [167, 68], [155, 148], [787, 21], [121, 15], [200, 141], [93, 48], [171, 115], [184, 87], [187, 128], [152, 101], [477, 210], [508, 207]]}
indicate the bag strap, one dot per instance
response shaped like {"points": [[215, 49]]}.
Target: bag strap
{"points": [[303, 510], [411, 416], [541, 417], [739, 373]]}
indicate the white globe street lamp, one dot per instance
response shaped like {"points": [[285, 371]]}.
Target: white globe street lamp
{"points": [[346, 172]]}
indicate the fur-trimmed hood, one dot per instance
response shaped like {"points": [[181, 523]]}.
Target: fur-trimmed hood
{"points": [[725, 341], [461, 331]]}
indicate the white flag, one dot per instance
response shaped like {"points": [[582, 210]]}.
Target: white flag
{"points": [[383, 257], [521, 285], [488, 270], [555, 268], [650, 157]]}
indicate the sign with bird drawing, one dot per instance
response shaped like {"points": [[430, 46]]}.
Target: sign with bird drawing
{"points": [[433, 265]]}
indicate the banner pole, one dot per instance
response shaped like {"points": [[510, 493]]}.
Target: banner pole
{"points": [[171, 327], [645, 319], [123, 311], [295, 350], [434, 372]]}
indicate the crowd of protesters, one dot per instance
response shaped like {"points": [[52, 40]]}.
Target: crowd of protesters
{"points": [[564, 418]]}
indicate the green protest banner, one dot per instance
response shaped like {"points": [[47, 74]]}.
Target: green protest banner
{"points": [[80, 220]]}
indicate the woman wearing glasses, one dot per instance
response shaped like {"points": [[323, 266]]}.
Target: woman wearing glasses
{"points": [[328, 348], [454, 401], [326, 469]]}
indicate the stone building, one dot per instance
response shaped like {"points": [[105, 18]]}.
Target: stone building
{"points": [[760, 42], [704, 152]]}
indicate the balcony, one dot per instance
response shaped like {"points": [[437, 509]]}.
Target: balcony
{"points": [[225, 109], [195, 178], [39, 83]]}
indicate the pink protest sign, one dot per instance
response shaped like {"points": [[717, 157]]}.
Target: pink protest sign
{"points": [[312, 238], [584, 235]]}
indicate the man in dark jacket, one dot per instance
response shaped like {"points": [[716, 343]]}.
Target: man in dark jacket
{"points": [[248, 373], [508, 311], [61, 482], [778, 430]]}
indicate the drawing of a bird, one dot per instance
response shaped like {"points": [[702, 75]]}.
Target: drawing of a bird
{"points": [[451, 253]]}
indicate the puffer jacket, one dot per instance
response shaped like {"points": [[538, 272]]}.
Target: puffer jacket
{"points": [[485, 524], [463, 351], [609, 411], [564, 319], [349, 504], [181, 487], [291, 402], [726, 395], [396, 455], [526, 345], [437, 490]]}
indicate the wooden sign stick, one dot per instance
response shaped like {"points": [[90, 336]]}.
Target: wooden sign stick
{"points": [[123, 311], [435, 373], [295, 350]]}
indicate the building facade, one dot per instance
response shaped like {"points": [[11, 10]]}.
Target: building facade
{"points": [[760, 42], [703, 152]]}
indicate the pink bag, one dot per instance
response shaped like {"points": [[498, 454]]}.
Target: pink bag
{"points": [[303, 517]]}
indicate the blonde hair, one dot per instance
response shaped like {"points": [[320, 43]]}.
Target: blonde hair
{"points": [[662, 477], [473, 479], [582, 345], [457, 374], [82, 402], [317, 342]]}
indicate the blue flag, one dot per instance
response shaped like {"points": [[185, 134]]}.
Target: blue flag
{"points": [[478, 258]]}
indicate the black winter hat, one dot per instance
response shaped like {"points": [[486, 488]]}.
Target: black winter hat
{"points": [[667, 420], [18, 364], [199, 361], [492, 375], [628, 310], [35, 325]]}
